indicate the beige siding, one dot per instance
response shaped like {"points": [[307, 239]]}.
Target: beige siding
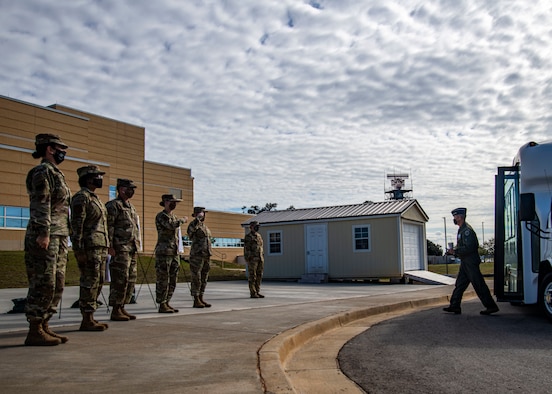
{"points": [[380, 261], [414, 213], [291, 264]]}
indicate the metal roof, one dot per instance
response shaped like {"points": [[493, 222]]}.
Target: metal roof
{"points": [[389, 207]]}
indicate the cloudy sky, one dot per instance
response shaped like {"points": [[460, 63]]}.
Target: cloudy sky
{"points": [[301, 102]]}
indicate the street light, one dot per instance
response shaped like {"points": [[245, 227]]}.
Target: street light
{"points": [[445, 247]]}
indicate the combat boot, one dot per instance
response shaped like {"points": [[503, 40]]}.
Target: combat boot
{"points": [[118, 315], [174, 309], [131, 317], [37, 336], [207, 305], [89, 324], [164, 308], [48, 331], [198, 303]]}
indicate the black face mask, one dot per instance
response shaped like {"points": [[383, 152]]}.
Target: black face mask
{"points": [[97, 182], [454, 220], [129, 192], [256, 228], [59, 156]]}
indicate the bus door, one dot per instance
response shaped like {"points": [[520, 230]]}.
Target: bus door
{"points": [[508, 263]]}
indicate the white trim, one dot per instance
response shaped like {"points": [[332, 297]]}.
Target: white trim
{"points": [[281, 232], [355, 226]]}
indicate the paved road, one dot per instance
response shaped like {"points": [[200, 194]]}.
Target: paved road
{"points": [[435, 352]]}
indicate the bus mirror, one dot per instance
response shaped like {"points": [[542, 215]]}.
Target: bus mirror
{"points": [[527, 207]]}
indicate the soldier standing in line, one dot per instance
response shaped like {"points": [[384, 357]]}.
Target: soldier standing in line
{"points": [[467, 250], [90, 243], [124, 241], [200, 254], [254, 255], [166, 252], [46, 239]]}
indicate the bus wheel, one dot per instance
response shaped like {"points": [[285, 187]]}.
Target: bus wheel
{"points": [[545, 298]]}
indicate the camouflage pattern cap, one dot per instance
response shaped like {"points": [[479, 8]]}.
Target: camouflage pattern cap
{"points": [[198, 210], [46, 139], [254, 223], [168, 197], [125, 183], [88, 170]]}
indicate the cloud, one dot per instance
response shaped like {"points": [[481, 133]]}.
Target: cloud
{"points": [[304, 103]]}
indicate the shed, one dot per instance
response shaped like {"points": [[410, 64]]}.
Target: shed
{"points": [[372, 240]]}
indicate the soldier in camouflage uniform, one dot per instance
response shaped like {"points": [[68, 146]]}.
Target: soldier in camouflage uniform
{"points": [[166, 252], [467, 250], [200, 254], [46, 239], [254, 255], [90, 243], [124, 241]]}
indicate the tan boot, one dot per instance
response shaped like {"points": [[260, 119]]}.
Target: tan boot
{"points": [[207, 305], [101, 324], [48, 331], [198, 303], [174, 309], [164, 308], [131, 317], [37, 336], [89, 324], [118, 315]]}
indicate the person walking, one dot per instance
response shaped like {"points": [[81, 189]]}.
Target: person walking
{"points": [[254, 255], [46, 239], [200, 254], [467, 250], [124, 241], [167, 261], [90, 243]]}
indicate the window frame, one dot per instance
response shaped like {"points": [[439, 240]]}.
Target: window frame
{"points": [[368, 238], [270, 243]]}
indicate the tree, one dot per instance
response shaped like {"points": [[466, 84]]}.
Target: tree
{"points": [[254, 209], [434, 249]]}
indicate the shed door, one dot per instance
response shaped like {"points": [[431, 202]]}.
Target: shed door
{"points": [[412, 247], [317, 249]]}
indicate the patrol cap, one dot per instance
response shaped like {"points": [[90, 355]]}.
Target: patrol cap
{"points": [[89, 170], [168, 197], [254, 223], [46, 139], [125, 183], [198, 210], [459, 211]]}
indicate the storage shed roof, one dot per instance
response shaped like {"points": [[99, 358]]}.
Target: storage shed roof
{"points": [[389, 207]]}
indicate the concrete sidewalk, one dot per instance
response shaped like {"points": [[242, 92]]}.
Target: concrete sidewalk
{"points": [[214, 350]]}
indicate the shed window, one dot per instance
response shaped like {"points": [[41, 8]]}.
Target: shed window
{"points": [[274, 242], [361, 238]]}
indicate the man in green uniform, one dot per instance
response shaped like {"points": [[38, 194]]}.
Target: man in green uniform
{"points": [[467, 250], [90, 243], [124, 241], [254, 255], [46, 239], [166, 252], [200, 254]]}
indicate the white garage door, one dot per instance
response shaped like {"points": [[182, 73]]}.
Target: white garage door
{"points": [[412, 247]]}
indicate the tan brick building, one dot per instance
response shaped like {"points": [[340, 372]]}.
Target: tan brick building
{"points": [[119, 149]]}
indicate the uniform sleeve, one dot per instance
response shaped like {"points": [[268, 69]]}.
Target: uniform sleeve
{"points": [[78, 216], [469, 243], [111, 216], [192, 228], [247, 247], [40, 201]]}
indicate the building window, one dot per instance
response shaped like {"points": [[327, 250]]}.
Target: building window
{"points": [[361, 238], [112, 192], [177, 193], [14, 217], [275, 242], [218, 242]]}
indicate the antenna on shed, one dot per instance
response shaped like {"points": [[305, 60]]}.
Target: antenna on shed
{"points": [[398, 190]]}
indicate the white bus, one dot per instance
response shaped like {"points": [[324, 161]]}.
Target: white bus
{"points": [[523, 228]]}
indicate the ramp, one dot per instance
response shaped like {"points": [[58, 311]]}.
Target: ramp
{"points": [[430, 278]]}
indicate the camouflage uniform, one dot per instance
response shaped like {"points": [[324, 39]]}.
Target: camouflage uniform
{"points": [[49, 216], [200, 253], [467, 250], [124, 237], [166, 255], [254, 255], [90, 243]]}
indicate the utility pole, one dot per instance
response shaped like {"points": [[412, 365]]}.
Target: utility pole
{"points": [[483, 244], [446, 244]]}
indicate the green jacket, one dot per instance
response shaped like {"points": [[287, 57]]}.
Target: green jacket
{"points": [[123, 225], [200, 236], [88, 221], [167, 225]]}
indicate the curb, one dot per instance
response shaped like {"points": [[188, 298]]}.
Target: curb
{"points": [[274, 354]]}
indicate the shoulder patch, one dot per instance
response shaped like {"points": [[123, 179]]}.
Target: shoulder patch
{"points": [[467, 232]]}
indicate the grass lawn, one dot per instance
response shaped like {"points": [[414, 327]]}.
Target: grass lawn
{"points": [[14, 275], [486, 268]]}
